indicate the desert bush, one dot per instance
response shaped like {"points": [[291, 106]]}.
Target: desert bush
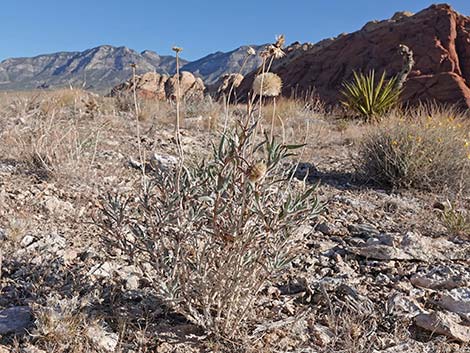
{"points": [[124, 102], [210, 237], [423, 150], [369, 98]]}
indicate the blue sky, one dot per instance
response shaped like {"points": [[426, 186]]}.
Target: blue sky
{"points": [[32, 27]]}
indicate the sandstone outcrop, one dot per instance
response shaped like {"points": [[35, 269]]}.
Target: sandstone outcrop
{"points": [[438, 36], [191, 87], [153, 85]]}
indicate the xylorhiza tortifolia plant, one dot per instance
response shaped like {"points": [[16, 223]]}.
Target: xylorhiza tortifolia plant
{"points": [[211, 237]]}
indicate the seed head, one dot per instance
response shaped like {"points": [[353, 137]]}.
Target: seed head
{"points": [[250, 51], [268, 84], [280, 41], [257, 171], [177, 49]]}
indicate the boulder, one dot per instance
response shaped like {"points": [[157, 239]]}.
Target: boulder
{"points": [[15, 320], [191, 87], [438, 36], [153, 85], [447, 324], [148, 85]]}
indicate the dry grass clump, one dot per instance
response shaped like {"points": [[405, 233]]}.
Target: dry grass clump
{"points": [[50, 139], [211, 237], [456, 220], [426, 149], [62, 326]]}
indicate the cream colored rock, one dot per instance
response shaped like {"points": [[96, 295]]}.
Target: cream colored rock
{"points": [[400, 15], [190, 87]]}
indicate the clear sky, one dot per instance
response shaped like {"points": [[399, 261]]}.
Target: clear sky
{"points": [[32, 27]]}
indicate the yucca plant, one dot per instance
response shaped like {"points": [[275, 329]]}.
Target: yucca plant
{"points": [[370, 98]]}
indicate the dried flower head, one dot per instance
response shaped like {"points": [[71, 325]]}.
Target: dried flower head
{"points": [[177, 49], [268, 84], [264, 54], [276, 52], [133, 65], [280, 41], [257, 171], [250, 51]]}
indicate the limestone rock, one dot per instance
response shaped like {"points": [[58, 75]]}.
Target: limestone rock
{"points": [[447, 324], [409, 347], [153, 85], [457, 301], [442, 277], [55, 206], [106, 341], [15, 320]]}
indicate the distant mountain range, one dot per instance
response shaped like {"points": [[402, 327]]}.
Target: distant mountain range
{"points": [[103, 67], [98, 69], [212, 66]]}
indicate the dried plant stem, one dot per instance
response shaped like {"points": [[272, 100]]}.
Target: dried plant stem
{"points": [[227, 102], [283, 130], [270, 63], [178, 121], [272, 119], [260, 106], [136, 112]]}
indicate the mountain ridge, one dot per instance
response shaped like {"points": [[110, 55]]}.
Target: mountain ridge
{"points": [[98, 68], [102, 67]]}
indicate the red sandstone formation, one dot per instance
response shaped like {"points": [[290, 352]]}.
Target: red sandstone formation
{"points": [[438, 36]]}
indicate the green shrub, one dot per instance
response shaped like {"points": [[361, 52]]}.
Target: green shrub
{"points": [[368, 98], [423, 151], [210, 237]]}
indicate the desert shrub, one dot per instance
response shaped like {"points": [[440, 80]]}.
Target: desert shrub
{"points": [[369, 98], [124, 102], [210, 237], [424, 151]]}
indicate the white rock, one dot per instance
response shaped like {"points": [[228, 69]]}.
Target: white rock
{"points": [[57, 207], [163, 161], [104, 270], [132, 282], [27, 240], [104, 340]]}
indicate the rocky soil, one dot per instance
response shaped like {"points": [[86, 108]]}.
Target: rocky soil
{"points": [[378, 272]]}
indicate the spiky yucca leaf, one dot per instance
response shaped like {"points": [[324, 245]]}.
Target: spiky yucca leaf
{"points": [[369, 98]]}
